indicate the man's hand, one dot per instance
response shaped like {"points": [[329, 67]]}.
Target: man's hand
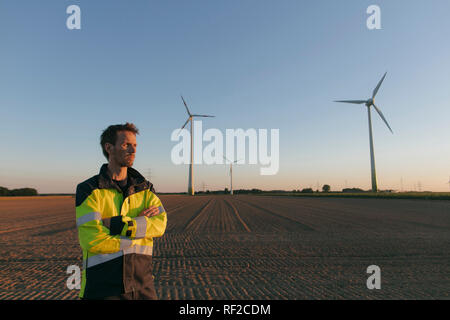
{"points": [[149, 212]]}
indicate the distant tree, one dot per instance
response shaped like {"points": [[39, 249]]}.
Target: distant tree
{"points": [[225, 190], [4, 191], [326, 188], [23, 192], [307, 190], [352, 190]]}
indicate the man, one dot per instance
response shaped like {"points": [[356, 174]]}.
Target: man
{"points": [[118, 215]]}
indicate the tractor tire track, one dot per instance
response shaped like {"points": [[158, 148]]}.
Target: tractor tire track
{"points": [[237, 215], [190, 224], [302, 226]]}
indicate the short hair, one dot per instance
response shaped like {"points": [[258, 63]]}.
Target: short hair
{"points": [[109, 135]]}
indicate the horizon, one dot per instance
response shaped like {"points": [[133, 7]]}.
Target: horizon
{"points": [[302, 189]]}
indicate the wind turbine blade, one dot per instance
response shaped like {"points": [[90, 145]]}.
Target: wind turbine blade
{"points": [[382, 117], [352, 101], [187, 109], [184, 125], [202, 115], [226, 158], [378, 86]]}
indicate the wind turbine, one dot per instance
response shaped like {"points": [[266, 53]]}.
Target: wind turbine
{"points": [[231, 173], [371, 103], [191, 169]]}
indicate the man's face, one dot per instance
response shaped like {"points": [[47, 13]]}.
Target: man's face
{"points": [[124, 151]]}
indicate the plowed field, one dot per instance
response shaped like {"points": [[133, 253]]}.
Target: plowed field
{"points": [[247, 247]]}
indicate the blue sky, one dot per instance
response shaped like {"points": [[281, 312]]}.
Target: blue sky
{"points": [[251, 63]]}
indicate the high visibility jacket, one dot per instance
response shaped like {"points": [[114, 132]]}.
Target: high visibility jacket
{"points": [[117, 245]]}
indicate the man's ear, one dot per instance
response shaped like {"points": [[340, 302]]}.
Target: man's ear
{"points": [[108, 148]]}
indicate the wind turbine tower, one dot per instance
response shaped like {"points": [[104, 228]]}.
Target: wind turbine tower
{"points": [[191, 169], [231, 174], [371, 103]]}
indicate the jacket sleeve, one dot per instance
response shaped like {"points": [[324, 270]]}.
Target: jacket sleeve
{"points": [[93, 235], [144, 227]]}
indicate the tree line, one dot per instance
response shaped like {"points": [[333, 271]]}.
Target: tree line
{"points": [[325, 189], [5, 192]]}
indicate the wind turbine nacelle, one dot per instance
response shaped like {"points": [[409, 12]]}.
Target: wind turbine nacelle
{"points": [[369, 102]]}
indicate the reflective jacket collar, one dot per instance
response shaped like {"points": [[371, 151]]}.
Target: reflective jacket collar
{"points": [[136, 182]]}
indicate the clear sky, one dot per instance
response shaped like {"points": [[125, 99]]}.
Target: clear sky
{"points": [[251, 63]]}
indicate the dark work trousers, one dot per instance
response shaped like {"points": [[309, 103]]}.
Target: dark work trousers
{"points": [[137, 280]]}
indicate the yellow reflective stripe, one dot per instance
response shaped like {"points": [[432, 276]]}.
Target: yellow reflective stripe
{"points": [[102, 258], [141, 224], [89, 217]]}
